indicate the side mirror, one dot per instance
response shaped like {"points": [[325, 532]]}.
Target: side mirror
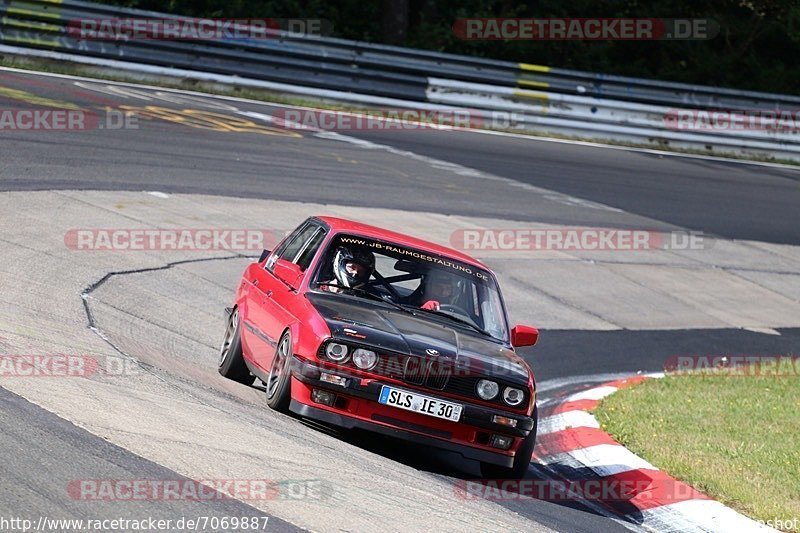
{"points": [[288, 272], [524, 336], [264, 255]]}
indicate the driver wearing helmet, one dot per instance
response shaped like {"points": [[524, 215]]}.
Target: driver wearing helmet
{"points": [[352, 268], [440, 289]]}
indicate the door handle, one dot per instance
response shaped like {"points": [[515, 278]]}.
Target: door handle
{"points": [[255, 282], [269, 294]]}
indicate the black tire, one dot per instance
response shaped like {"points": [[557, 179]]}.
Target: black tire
{"points": [[278, 383], [231, 360], [522, 459]]}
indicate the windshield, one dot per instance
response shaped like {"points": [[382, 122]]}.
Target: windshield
{"points": [[445, 289]]}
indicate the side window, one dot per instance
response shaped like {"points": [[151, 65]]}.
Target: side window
{"points": [[291, 245], [297, 244], [300, 248], [310, 249]]}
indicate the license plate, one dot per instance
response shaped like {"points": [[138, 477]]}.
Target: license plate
{"points": [[419, 403]]}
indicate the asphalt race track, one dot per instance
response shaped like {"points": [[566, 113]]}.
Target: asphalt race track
{"points": [[225, 163]]}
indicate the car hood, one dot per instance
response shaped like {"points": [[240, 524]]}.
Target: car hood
{"points": [[370, 323]]}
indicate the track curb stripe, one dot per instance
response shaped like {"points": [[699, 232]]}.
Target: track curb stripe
{"points": [[570, 419], [573, 439], [579, 405], [570, 437]]}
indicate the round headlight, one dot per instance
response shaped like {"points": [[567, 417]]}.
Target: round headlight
{"points": [[336, 352], [513, 396], [365, 359], [487, 389]]}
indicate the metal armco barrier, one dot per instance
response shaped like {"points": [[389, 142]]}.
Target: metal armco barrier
{"points": [[538, 98]]}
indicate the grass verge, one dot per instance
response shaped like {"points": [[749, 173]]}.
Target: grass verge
{"points": [[736, 439], [100, 73]]}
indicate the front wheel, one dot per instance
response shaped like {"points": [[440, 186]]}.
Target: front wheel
{"points": [[522, 459], [231, 361], [278, 384]]}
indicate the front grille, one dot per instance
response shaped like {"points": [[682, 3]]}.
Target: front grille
{"points": [[439, 373], [390, 367], [463, 385], [416, 370]]}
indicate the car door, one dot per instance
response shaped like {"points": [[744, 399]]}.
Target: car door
{"points": [[254, 315], [274, 292]]}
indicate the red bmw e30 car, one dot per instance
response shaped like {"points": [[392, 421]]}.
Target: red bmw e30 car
{"points": [[362, 327]]}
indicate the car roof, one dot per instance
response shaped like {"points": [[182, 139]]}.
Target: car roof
{"points": [[374, 232]]}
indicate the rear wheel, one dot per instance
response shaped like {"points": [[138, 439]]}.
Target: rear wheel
{"points": [[278, 384], [231, 360], [522, 459]]}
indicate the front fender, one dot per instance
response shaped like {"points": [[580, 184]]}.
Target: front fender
{"points": [[308, 334]]}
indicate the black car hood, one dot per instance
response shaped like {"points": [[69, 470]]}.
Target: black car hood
{"points": [[385, 328]]}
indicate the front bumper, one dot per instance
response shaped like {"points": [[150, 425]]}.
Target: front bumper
{"points": [[357, 407]]}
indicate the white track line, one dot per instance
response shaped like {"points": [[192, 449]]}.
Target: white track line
{"points": [[597, 393], [570, 419], [322, 93]]}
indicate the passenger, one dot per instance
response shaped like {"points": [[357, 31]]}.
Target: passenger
{"points": [[439, 288]]}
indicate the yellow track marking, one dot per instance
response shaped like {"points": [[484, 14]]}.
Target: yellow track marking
{"points": [[24, 96], [207, 120]]}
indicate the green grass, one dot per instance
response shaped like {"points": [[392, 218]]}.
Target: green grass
{"points": [[56, 67], [736, 439]]}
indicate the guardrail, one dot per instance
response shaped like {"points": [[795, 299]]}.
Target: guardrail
{"points": [[538, 98]]}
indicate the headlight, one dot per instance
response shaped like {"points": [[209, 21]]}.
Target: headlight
{"points": [[487, 389], [513, 396], [336, 352], [365, 359]]}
